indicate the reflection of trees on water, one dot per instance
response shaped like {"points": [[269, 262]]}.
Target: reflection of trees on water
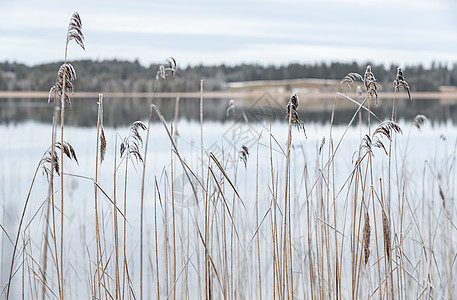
{"points": [[83, 112]]}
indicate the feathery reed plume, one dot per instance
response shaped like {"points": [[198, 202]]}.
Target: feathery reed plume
{"points": [[64, 85], [366, 238], [387, 128], [244, 154], [102, 145], [367, 144], [231, 107], [379, 144], [400, 82], [168, 66], [386, 233], [68, 150], [67, 73], [131, 144], [102, 131], [370, 84], [351, 78], [292, 107], [75, 30], [51, 159], [419, 120]]}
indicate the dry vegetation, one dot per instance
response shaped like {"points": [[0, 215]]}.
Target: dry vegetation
{"points": [[304, 234]]}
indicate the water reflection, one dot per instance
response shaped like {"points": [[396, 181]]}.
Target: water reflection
{"points": [[119, 112]]}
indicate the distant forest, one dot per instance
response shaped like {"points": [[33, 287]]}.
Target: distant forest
{"points": [[131, 76]]}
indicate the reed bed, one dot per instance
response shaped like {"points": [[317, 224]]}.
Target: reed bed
{"points": [[295, 211]]}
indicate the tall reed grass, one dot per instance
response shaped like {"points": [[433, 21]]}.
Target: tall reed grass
{"points": [[287, 224]]}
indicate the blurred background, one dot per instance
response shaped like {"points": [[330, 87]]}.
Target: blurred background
{"points": [[242, 50]]}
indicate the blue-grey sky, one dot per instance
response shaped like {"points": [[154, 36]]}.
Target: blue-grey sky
{"points": [[252, 31]]}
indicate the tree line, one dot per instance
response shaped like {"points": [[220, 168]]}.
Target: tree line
{"points": [[131, 76]]}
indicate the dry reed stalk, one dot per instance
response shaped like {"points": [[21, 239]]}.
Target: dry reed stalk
{"points": [[156, 192], [168, 67], [184, 166], [399, 83], [353, 233], [337, 261], [49, 157], [273, 217], [225, 264], [287, 259], [386, 230], [233, 248], [97, 230], [372, 88], [360, 184], [11, 273], [173, 218], [331, 168], [67, 75], [208, 294], [50, 197], [130, 147], [175, 122], [165, 245], [202, 176], [327, 214], [257, 220], [378, 257], [201, 133], [116, 228]]}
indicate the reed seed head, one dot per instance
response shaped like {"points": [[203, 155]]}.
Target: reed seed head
{"points": [[419, 120], [292, 107], [50, 158], [244, 154], [351, 78], [386, 233], [400, 83], [75, 30], [367, 144], [102, 145], [371, 85], [387, 129], [133, 142], [168, 67], [65, 74], [366, 238]]}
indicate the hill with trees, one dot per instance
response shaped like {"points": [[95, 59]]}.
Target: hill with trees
{"points": [[128, 76]]}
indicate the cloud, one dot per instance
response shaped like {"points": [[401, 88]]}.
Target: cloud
{"points": [[229, 31]]}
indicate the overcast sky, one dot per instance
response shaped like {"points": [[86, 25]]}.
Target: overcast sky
{"points": [[212, 32]]}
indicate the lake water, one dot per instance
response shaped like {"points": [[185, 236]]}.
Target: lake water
{"points": [[422, 157]]}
